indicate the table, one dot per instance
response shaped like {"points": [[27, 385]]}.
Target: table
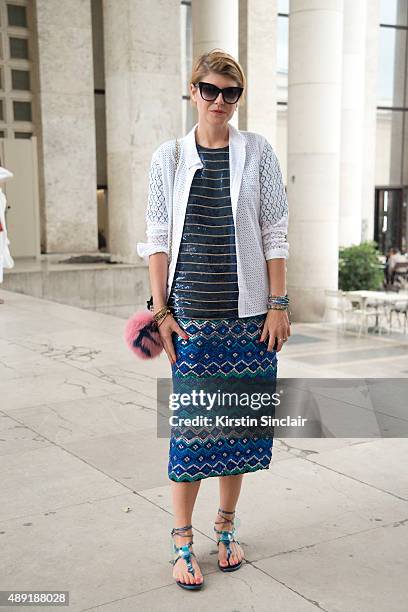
{"points": [[377, 297]]}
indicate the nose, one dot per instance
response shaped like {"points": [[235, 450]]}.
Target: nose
{"points": [[219, 99]]}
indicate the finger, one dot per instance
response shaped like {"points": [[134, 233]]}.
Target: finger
{"points": [[169, 348], [168, 353], [263, 334], [180, 332], [271, 340], [280, 344]]}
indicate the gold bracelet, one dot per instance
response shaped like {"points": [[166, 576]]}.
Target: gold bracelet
{"points": [[162, 320], [161, 313]]}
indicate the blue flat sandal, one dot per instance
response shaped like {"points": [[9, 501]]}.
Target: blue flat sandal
{"points": [[184, 552], [226, 537]]}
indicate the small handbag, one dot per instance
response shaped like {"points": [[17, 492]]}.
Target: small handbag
{"points": [[141, 330]]}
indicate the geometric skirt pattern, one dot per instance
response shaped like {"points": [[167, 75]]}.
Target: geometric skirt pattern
{"points": [[227, 349]]}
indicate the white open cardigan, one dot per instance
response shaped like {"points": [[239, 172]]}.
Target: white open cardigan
{"points": [[259, 207]]}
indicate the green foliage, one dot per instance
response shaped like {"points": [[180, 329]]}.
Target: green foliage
{"points": [[360, 267]]}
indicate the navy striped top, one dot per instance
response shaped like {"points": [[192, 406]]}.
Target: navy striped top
{"points": [[205, 283]]}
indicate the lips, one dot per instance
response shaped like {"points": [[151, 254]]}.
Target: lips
{"points": [[218, 112]]}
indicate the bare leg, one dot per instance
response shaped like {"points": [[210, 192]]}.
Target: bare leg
{"points": [[184, 495], [230, 488]]}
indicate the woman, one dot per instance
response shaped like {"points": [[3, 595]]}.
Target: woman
{"points": [[217, 258]]}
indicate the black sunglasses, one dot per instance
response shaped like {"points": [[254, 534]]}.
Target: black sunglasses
{"points": [[210, 92]]}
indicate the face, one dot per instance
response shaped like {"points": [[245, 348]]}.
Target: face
{"points": [[206, 110]]}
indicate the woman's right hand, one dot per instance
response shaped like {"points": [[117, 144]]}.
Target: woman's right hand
{"points": [[166, 329]]}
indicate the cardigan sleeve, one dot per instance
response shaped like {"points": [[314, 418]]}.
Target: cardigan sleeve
{"points": [[274, 213], [156, 214]]}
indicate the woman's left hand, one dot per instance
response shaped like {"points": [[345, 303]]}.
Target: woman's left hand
{"points": [[276, 325]]}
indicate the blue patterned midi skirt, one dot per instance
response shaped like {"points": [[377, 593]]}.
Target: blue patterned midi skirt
{"points": [[225, 348]]}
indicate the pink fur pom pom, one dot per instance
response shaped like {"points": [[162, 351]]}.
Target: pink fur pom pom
{"points": [[142, 335]]}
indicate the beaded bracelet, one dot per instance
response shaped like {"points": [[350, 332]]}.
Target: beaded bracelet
{"points": [[278, 306], [278, 300]]}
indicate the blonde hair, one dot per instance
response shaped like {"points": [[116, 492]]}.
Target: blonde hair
{"points": [[221, 62]]}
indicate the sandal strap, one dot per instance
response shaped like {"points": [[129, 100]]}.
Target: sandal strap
{"points": [[179, 531], [184, 552], [221, 512], [226, 536]]}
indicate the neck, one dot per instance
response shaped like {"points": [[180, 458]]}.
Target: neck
{"points": [[211, 136]]}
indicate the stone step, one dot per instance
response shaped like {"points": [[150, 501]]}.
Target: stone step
{"points": [[98, 284]]}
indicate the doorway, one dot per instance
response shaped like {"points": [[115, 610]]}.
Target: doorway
{"points": [[390, 224]]}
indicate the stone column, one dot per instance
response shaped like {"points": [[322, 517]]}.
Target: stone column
{"points": [[215, 24], [67, 157], [257, 55], [370, 119], [143, 107], [352, 126], [314, 119]]}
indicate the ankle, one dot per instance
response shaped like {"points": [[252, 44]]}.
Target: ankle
{"points": [[225, 519], [182, 536]]}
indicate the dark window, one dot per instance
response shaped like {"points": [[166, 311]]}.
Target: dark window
{"points": [[391, 219], [18, 48], [22, 135], [20, 79], [17, 15], [22, 111]]}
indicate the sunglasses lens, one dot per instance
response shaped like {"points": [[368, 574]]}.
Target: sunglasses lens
{"points": [[231, 94], [209, 92]]}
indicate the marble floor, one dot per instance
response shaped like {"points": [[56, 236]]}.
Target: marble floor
{"points": [[85, 497]]}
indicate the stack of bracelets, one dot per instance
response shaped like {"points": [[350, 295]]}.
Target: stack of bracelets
{"points": [[275, 302], [161, 315], [278, 302]]}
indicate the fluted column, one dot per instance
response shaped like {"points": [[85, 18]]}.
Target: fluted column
{"points": [[314, 119], [143, 107]]}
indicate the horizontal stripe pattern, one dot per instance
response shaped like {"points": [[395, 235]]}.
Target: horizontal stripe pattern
{"points": [[205, 283]]}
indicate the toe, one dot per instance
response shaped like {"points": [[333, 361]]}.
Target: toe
{"points": [[198, 574], [199, 578], [182, 578], [222, 556], [238, 553]]}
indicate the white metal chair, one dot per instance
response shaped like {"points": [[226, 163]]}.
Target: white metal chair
{"points": [[399, 307], [364, 312], [336, 301]]}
